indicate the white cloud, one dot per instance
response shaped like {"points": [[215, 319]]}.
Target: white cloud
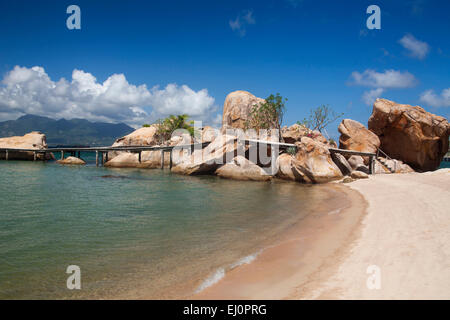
{"points": [[434, 100], [369, 97], [31, 91], [241, 22], [385, 80], [416, 48]]}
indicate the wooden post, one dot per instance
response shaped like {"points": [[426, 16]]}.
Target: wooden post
{"points": [[62, 154], [140, 152], [79, 154], [273, 158], [96, 158], [162, 158], [7, 155], [44, 155], [106, 156], [103, 158], [34, 156], [371, 165], [171, 161]]}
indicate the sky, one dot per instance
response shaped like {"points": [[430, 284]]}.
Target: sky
{"points": [[137, 61]]}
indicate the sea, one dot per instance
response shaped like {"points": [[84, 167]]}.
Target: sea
{"points": [[134, 233]]}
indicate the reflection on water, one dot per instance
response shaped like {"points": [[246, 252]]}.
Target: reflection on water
{"points": [[133, 232]]}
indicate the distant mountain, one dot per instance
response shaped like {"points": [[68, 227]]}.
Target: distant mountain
{"points": [[66, 132]]}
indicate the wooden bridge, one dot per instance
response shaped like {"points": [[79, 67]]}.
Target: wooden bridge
{"points": [[101, 153]]}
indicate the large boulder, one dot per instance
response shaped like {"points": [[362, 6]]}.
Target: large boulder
{"points": [[341, 163], [355, 136], [72, 160], [242, 169], [288, 169], [313, 159], [124, 160], [411, 134], [33, 141], [355, 161], [237, 109], [208, 134], [294, 133], [222, 150], [145, 136]]}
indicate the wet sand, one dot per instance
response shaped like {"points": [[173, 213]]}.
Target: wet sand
{"points": [[399, 223], [300, 252]]}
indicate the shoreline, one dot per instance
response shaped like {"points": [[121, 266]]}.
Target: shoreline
{"points": [[406, 238], [298, 253]]}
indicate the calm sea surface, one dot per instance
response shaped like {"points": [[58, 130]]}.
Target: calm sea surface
{"points": [[133, 232]]}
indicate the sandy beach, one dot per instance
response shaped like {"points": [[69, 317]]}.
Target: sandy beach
{"points": [[398, 223]]}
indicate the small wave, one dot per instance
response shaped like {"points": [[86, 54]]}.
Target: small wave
{"points": [[220, 273], [214, 278], [245, 260], [335, 211]]}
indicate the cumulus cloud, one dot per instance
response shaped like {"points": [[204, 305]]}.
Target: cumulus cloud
{"points": [[241, 22], [432, 99], [416, 48], [370, 96], [31, 91], [385, 80]]}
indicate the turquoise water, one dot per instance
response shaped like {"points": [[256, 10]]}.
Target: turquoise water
{"points": [[134, 233], [445, 164]]}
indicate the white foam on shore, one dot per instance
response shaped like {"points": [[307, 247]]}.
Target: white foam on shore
{"points": [[220, 273], [214, 278], [245, 260], [335, 211]]}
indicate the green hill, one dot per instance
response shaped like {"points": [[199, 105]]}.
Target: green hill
{"points": [[66, 132]]}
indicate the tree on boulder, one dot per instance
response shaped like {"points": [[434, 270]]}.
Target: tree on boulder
{"points": [[320, 118], [268, 114], [165, 127]]}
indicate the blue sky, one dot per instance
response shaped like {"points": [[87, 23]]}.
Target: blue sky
{"points": [[312, 52]]}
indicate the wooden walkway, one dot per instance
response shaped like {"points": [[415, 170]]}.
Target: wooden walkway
{"points": [[103, 151]]}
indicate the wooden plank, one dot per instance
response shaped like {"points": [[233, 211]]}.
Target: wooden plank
{"points": [[280, 144], [353, 152]]}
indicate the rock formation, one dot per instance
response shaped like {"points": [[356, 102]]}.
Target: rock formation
{"points": [[288, 169], [410, 134], [341, 163], [124, 160], [314, 161], [237, 108], [33, 140], [222, 150], [242, 169], [355, 136], [359, 175], [145, 136], [72, 160]]}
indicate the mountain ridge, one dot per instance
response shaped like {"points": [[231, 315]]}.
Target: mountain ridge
{"points": [[66, 132]]}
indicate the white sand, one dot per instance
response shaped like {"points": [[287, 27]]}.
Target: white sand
{"points": [[406, 233]]}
